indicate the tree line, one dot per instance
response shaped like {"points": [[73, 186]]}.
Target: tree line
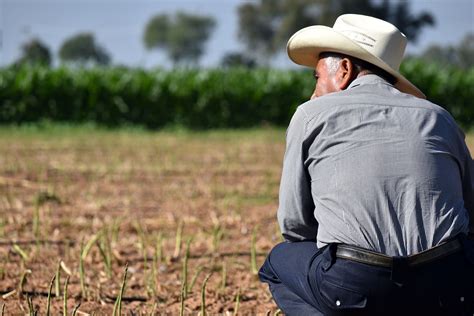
{"points": [[264, 26]]}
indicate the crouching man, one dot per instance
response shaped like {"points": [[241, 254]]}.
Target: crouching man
{"points": [[376, 195]]}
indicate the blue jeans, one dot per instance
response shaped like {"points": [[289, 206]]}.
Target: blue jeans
{"points": [[305, 280]]}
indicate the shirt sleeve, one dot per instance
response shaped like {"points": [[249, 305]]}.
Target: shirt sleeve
{"points": [[467, 178], [468, 192], [296, 206]]}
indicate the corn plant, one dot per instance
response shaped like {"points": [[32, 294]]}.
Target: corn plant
{"points": [[21, 252], [82, 272], [179, 236], [182, 297], [22, 281], [58, 280], [31, 309], [253, 253], [105, 251], [48, 302], [203, 295], [258, 95], [237, 302], [157, 259], [84, 251], [159, 248], [153, 309], [76, 308], [64, 267], [224, 276], [65, 297], [118, 302], [36, 221], [115, 229], [42, 198], [195, 276], [2, 227], [217, 233], [185, 268]]}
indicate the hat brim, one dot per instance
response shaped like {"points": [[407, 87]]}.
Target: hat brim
{"points": [[305, 46]]}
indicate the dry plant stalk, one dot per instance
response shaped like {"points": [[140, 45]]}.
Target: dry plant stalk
{"points": [[21, 252], [184, 281], [224, 276], [104, 249], [203, 295], [157, 260], [36, 220], [58, 280], [22, 282], [66, 283], [237, 302], [81, 272], [118, 302], [74, 311], [253, 253], [179, 236], [217, 233], [48, 302], [181, 301], [159, 248], [31, 311], [195, 276]]}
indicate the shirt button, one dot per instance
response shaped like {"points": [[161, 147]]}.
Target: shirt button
{"points": [[338, 303]]}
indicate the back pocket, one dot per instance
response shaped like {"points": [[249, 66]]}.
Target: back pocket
{"points": [[340, 298]]}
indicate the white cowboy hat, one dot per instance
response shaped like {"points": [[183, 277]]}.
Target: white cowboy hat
{"points": [[370, 39]]}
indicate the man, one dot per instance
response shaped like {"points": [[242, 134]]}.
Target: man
{"points": [[376, 194]]}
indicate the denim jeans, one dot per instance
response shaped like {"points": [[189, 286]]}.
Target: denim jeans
{"points": [[305, 280]]}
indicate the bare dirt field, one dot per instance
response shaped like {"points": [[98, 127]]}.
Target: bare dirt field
{"points": [[178, 208], [102, 200]]}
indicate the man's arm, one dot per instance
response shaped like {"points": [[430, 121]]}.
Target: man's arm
{"points": [[468, 194], [296, 207]]}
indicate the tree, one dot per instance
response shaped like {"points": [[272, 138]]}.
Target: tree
{"points": [[465, 51], [182, 36], [82, 48], [236, 59], [265, 26], [34, 52], [461, 55]]}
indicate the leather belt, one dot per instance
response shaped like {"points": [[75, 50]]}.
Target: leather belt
{"points": [[374, 258]]}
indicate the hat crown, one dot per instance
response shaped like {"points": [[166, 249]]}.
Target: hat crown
{"points": [[378, 37]]}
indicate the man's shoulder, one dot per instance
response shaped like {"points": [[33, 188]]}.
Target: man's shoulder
{"points": [[360, 97]]}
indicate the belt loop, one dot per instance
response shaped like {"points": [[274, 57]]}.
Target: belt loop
{"points": [[400, 270], [330, 256]]}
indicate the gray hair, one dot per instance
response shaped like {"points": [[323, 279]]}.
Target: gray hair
{"points": [[333, 59], [332, 63]]}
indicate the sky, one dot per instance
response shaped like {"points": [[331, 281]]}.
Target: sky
{"points": [[118, 26]]}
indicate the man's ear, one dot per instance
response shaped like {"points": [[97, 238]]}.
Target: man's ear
{"points": [[345, 73]]}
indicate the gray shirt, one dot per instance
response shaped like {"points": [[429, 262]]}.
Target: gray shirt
{"points": [[376, 168]]}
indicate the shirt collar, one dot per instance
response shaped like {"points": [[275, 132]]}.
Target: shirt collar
{"points": [[367, 79]]}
